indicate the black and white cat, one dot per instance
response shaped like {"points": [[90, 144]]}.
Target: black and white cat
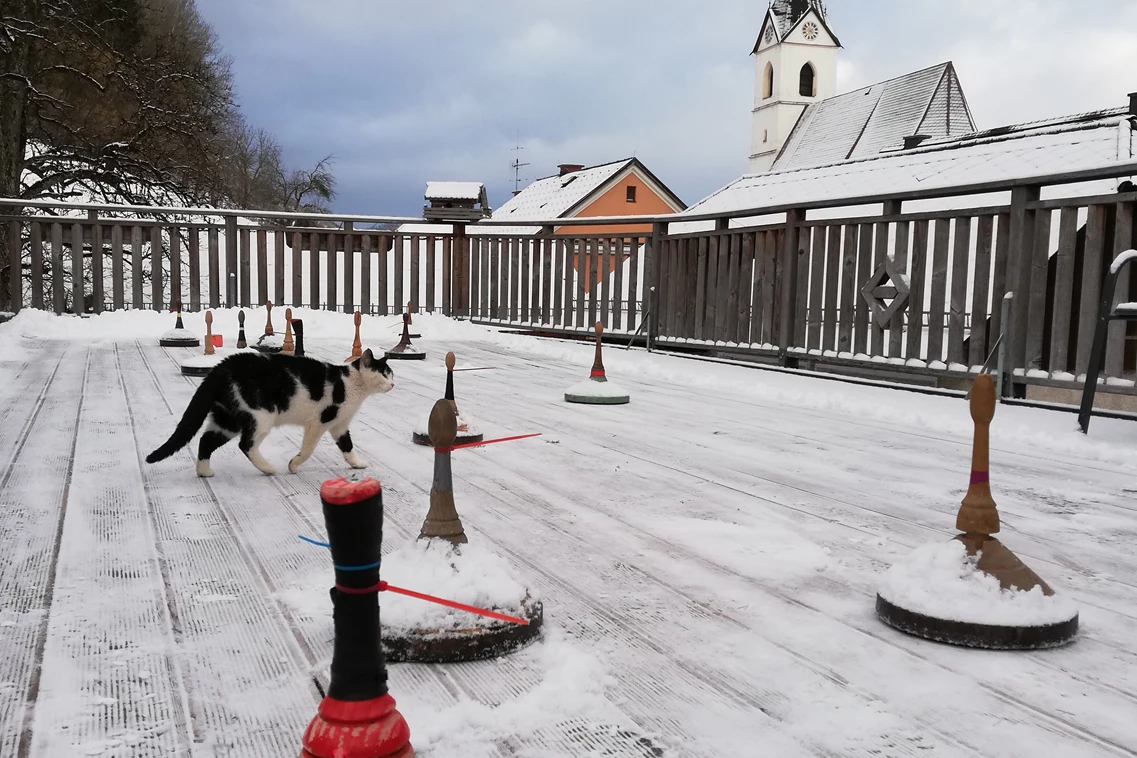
{"points": [[248, 394]]}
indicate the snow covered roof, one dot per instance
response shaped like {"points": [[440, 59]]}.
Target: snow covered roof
{"points": [[560, 196], [1093, 140], [455, 191], [861, 123], [556, 195]]}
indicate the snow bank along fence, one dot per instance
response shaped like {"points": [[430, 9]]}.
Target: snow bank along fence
{"points": [[910, 283]]}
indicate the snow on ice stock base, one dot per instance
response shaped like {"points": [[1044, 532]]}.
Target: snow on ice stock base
{"points": [[469, 574], [942, 581], [179, 335], [592, 389], [271, 343]]}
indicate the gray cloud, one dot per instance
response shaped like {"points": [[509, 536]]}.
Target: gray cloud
{"points": [[405, 92]]}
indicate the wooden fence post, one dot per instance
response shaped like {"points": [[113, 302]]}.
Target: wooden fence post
{"points": [[1019, 270], [787, 298], [15, 268], [652, 269], [231, 243], [460, 273]]}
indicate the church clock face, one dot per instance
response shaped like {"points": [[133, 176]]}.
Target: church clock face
{"points": [[809, 30], [769, 35]]}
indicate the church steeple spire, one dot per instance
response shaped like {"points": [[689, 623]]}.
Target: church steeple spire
{"points": [[789, 11], [796, 57]]}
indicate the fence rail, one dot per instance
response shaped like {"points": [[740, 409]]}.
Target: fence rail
{"points": [[861, 282]]}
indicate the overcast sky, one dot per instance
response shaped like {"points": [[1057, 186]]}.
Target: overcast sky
{"points": [[409, 91]]}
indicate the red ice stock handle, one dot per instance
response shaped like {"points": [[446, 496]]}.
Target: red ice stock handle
{"points": [[384, 587]]}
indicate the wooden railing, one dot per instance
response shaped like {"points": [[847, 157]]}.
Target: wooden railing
{"points": [[566, 282], [860, 282]]}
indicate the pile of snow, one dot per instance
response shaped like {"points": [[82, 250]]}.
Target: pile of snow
{"points": [[469, 574], [593, 388], [575, 686], [942, 581]]}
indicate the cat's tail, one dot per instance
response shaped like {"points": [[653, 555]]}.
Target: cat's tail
{"points": [[192, 419]]}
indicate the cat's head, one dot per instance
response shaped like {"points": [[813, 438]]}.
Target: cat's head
{"points": [[377, 375]]}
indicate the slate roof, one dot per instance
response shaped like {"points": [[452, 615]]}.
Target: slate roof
{"points": [[786, 14], [1092, 140], [862, 123]]}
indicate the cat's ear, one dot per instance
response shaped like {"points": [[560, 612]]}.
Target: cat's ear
{"points": [[366, 359]]}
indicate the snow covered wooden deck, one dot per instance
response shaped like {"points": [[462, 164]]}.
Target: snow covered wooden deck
{"points": [[707, 557]]}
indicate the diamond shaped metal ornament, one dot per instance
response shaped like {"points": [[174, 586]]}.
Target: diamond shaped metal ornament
{"points": [[886, 292]]}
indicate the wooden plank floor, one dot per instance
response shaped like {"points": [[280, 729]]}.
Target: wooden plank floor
{"points": [[712, 556]]}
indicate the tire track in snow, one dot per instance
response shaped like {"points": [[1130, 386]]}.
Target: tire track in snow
{"points": [[1123, 689], [13, 392], [107, 686], [1016, 478], [1050, 712], [651, 697], [1045, 551], [656, 461], [274, 542], [16, 425], [33, 501], [506, 679], [252, 693]]}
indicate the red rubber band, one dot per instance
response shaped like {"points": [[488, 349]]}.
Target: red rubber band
{"points": [[596, 372], [379, 587], [490, 442], [384, 587]]}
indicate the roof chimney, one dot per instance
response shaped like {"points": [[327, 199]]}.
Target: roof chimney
{"points": [[914, 140], [1133, 103], [568, 168]]}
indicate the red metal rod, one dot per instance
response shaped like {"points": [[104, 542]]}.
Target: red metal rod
{"points": [[451, 604], [477, 368], [490, 442]]}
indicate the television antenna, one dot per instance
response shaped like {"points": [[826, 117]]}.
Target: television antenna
{"points": [[517, 165]]}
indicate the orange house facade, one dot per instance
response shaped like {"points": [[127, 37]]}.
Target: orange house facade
{"points": [[620, 188]]}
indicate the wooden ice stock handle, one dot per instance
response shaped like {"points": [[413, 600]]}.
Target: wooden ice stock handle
{"points": [[978, 514], [598, 361]]}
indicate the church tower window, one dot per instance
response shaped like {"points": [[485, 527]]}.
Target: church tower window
{"points": [[768, 81], [807, 84]]}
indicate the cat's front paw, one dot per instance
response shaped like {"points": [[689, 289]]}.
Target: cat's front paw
{"points": [[294, 464], [204, 470], [355, 461]]}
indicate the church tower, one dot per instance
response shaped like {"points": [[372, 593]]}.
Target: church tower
{"points": [[796, 64]]}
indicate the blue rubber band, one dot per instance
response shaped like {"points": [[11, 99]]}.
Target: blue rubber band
{"points": [[317, 543], [356, 568]]}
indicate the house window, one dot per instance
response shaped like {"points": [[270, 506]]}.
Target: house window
{"points": [[807, 85], [768, 81], [631, 193]]}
